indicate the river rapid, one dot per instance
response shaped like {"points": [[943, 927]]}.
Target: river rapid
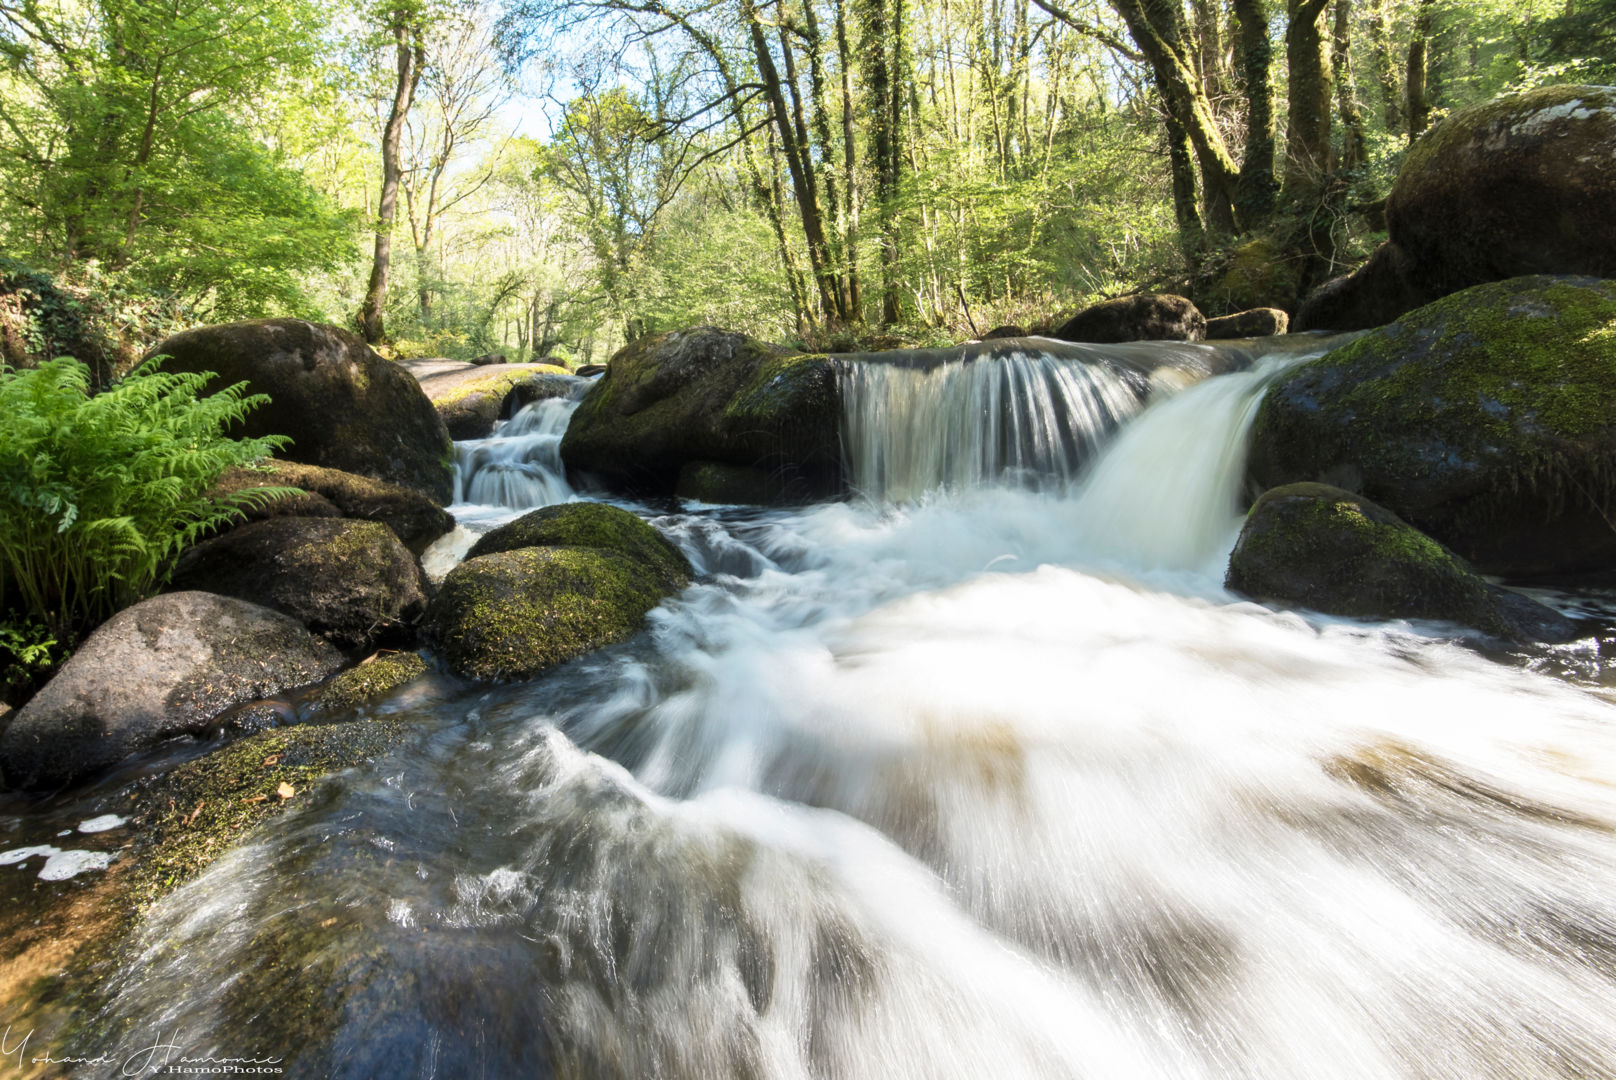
{"points": [[980, 774]]}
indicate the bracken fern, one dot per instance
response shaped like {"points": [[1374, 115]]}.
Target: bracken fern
{"points": [[98, 492]]}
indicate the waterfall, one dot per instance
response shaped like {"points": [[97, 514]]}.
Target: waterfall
{"points": [[995, 783], [1025, 413], [519, 466]]}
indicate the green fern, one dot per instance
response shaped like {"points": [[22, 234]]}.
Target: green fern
{"points": [[99, 492]]}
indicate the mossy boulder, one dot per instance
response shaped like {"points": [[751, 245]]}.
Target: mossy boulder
{"points": [[709, 395], [1523, 184], [1322, 548], [1258, 273], [1258, 322], [471, 399], [1486, 419], [516, 614], [1144, 317], [344, 406], [373, 678], [352, 582], [162, 668], [592, 525], [414, 518]]}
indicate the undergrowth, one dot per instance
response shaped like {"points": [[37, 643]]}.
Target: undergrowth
{"points": [[99, 492]]}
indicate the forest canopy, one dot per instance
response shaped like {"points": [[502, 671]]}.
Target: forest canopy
{"points": [[554, 177]]}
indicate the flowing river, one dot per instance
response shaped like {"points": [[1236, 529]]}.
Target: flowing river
{"points": [[982, 774]]}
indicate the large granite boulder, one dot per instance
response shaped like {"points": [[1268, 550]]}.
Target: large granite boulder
{"points": [[1523, 184], [550, 587], [1145, 317], [343, 406], [414, 518], [162, 668], [593, 525], [353, 582], [1322, 548], [711, 396], [1486, 419]]}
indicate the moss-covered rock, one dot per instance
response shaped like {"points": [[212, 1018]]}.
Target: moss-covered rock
{"points": [[373, 678], [1319, 547], [1523, 184], [192, 814], [1258, 322], [709, 395], [353, 582], [162, 668], [516, 614], [1486, 419], [1259, 273], [345, 407], [471, 399], [592, 525], [414, 518], [1144, 317]]}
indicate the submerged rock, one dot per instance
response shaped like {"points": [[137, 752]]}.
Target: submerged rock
{"points": [[1319, 547], [373, 678], [1522, 184], [709, 395], [414, 518], [592, 525], [1145, 317], [1486, 419], [1258, 322], [164, 667], [353, 582], [472, 399], [345, 407]]}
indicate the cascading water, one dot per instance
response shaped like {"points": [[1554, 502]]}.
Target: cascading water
{"points": [[998, 784], [519, 466]]}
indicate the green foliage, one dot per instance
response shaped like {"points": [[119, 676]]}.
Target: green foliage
{"points": [[99, 493]]}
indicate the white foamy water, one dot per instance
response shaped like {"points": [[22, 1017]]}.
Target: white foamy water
{"points": [[59, 865], [519, 466], [990, 784]]}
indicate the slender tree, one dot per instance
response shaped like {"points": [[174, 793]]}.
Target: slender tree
{"points": [[407, 32]]}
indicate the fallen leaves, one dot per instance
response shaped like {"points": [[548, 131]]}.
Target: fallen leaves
{"points": [[285, 790]]}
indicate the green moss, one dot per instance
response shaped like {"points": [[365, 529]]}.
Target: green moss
{"points": [[591, 525], [499, 381], [1487, 418], [374, 678], [193, 814], [515, 614]]}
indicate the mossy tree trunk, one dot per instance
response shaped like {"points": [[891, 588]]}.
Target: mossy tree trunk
{"points": [[409, 49]]}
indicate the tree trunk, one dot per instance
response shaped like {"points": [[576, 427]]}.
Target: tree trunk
{"points": [[1157, 27], [1256, 187], [410, 53], [796, 154], [884, 108], [1353, 141], [1307, 126], [1419, 110], [1380, 49]]}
